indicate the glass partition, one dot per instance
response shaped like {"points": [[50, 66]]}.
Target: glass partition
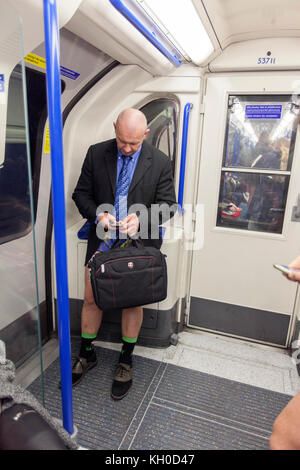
{"points": [[15, 216], [19, 307], [257, 159]]}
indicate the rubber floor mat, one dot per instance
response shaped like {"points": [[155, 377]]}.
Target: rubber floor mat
{"points": [[168, 408]]}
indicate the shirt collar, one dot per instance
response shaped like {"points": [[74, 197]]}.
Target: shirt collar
{"points": [[134, 155]]}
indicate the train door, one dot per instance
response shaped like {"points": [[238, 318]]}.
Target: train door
{"points": [[248, 187]]}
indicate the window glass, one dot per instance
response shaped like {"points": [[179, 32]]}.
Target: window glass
{"points": [[261, 131], [258, 153], [252, 201], [162, 117], [15, 216], [37, 112]]}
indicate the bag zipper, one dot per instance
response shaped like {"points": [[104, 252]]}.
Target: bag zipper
{"points": [[102, 266]]}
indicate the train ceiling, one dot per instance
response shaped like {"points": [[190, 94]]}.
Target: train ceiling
{"points": [[240, 20]]}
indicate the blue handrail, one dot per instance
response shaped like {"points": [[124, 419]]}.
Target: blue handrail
{"points": [[144, 31], [185, 128], [58, 201]]}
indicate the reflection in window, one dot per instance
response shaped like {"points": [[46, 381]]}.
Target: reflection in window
{"points": [[162, 117], [258, 153], [259, 126], [252, 201]]}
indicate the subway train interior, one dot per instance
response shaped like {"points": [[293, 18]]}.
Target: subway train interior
{"points": [[219, 83]]}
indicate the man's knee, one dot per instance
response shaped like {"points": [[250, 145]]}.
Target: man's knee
{"points": [[285, 435], [88, 299]]}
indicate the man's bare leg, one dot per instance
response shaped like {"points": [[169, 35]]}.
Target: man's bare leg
{"points": [[91, 315], [132, 319], [91, 318]]}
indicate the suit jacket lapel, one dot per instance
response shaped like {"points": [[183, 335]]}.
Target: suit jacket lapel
{"points": [[111, 165], [143, 164]]}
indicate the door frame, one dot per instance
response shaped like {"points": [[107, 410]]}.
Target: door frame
{"points": [[293, 316]]}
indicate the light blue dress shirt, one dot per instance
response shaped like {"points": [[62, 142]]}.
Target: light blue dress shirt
{"points": [[131, 165]]}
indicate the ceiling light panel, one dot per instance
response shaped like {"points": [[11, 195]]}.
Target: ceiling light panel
{"points": [[182, 21]]}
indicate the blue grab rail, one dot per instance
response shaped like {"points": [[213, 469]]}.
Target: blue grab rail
{"points": [[58, 201], [144, 31], [185, 128]]}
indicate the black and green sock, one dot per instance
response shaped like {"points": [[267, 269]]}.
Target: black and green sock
{"points": [[86, 349], [127, 350]]}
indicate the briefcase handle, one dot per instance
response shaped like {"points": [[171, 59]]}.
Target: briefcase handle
{"points": [[137, 242]]}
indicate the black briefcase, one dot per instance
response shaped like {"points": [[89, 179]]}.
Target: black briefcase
{"points": [[132, 276]]}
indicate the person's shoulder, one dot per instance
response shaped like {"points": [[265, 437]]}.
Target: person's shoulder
{"points": [[155, 152], [102, 146]]}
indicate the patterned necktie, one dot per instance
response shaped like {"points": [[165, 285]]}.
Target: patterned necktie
{"points": [[122, 190]]}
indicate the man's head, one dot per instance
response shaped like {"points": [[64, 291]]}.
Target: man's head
{"points": [[131, 130]]}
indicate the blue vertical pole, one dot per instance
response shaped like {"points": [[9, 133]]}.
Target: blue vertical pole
{"points": [[58, 202], [185, 128]]}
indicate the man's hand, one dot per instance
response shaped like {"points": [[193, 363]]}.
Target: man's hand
{"points": [[130, 225], [107, 221]]}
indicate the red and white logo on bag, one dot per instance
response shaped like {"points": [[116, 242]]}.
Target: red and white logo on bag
{"points": [[130, 265]]}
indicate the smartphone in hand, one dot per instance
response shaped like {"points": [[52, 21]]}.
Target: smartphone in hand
{"points": [[284, 269]]}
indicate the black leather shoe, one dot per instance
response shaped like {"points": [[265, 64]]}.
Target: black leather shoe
{"points": [[122, 381], [81, 366]]}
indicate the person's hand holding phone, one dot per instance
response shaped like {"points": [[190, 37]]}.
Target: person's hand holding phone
{"points": [[130, 225], [291, 271], [107, 221], [294, 273]]}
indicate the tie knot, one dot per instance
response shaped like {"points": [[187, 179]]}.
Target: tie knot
{"points": [[126, 159]]}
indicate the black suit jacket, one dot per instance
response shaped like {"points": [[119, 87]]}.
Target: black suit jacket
{"points": [[152, 183]]}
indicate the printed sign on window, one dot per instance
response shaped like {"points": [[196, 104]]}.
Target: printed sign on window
{"points": [[268, 111]]}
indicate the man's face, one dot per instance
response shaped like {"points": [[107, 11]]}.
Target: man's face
{"points": [[128, 141]]}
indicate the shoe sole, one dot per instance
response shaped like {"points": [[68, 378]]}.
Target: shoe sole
{"points": [[114, 397]]}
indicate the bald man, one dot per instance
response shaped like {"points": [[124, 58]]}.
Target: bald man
{"points": [[126, 169]]}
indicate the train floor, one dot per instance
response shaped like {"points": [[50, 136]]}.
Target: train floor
{"points": [[207, 392]]}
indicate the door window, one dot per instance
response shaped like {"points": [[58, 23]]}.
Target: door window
{"points": [[257, 159], [162, 118], [15, 216]]}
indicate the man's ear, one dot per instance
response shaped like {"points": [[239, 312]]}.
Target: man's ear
{"points": [[115, 125]]}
